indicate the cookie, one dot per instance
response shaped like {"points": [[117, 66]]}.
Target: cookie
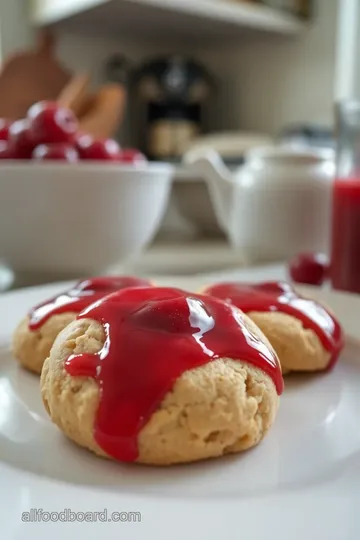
{"points": [[34, 336], [183, 377], [305, 334]]}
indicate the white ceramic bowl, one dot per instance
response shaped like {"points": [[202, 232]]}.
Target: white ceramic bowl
{"points": [[78, 218]]}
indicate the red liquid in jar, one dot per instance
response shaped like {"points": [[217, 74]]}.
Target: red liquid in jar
{"points": [[345, 255], [280, 296], [153, 335], [81, 296]]}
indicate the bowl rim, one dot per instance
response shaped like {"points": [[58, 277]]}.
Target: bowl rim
{"points": [[94, 166]]}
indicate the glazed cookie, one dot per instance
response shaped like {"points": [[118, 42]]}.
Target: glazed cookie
{"points": [[183, 377], [34, 336], [305, 335]]}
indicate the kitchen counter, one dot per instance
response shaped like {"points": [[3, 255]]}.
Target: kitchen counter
{"points": [[162, 258], [167, 260], [184, 258]]}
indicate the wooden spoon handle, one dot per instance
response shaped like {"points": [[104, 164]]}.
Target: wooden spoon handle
{"points": [[106, 112], [75, 93]]}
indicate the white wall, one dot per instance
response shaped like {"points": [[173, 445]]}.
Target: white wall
{"points": [[273, 82], [84, 52], [347, 77], [15, 31]]}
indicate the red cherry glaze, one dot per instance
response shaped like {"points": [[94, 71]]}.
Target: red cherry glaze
{"points": [[21, 144], [310, 268], [50, 123], [154, 335], [4, 129], [81, 296], [58, 151], [131, 156], [279, 296], [97, 150]]}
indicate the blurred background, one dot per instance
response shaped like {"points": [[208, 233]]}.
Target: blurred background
{"points": [[184, 77]]}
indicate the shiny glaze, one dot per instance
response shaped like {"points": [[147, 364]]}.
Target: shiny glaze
{"points": [[152, 336], [81, 296], [280, 296]]}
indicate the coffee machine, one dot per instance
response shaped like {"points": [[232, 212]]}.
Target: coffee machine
{"points": [[172, 93]]}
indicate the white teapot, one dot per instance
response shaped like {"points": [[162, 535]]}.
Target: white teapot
{"points": [[276, 205]]}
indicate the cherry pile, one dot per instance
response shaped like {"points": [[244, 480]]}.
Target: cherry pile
{"points": [[51, 132]]}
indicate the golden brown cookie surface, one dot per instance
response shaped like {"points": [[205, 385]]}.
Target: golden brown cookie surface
{"points": [[222, 407], [35, 335], [31, 347], [298, 348], [305, 334]]}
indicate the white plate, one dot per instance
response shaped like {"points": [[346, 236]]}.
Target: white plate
{"points": [[301, 483]]}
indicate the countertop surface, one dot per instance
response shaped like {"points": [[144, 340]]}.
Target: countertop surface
{"points": [[185, 258], [169, 261]]}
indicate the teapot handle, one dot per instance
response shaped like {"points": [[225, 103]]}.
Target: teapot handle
{"points": [[208, 164]]}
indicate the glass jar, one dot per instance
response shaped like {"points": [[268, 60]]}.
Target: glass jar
{"points": [[345, 252]]}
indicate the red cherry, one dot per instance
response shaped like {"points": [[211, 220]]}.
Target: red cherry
{"points": [[4, 129], [50, 123], [132, 156], [103, 150], [5, 150], [309, 268], [56, 151], [21, 144]]}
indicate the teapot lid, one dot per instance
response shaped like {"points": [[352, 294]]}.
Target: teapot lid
{"points": [[288, 153]]}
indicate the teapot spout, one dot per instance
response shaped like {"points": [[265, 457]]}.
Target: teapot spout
{"points": [[209, 165]]}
